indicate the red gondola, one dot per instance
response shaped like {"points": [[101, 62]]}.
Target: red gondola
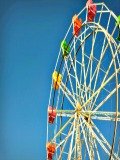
{"points": [[51, 114], [92, 9]]}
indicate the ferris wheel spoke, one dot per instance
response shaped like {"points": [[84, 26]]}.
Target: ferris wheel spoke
{"points": [[65, 113], [83, 56], [96, 79], [91, 71], [103, 138], [89, 67], [102, 83], [66, 138], [69, 78], [100, 69], [73, 150], [74, 69], [97, 72], [81, 89], [68, 94], [85, 139], [78, 138], [104, 48], [108, 35], [102, 115], [106, 116], [118, 149], [101, 11], [84, 71], [79, 133], [78, 82], [106, 98], [91, 54], [78, 85], [83, 65], [96, 148], [107, 150], [75, 65], [100, 88], [97, 68], [62, 128], [71, 132], [91, 74], [71, 144], [86, 88], [91, 144], [81, 73], [64, 141], [94, 58], [78, 141], [82, 40]]}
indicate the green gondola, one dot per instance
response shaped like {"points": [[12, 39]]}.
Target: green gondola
{"points": [[118, 25], [118, 38], [118, 21], [65, 48]]}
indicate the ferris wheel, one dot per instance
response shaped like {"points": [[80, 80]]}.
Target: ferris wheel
{"points": [[83, 111]]}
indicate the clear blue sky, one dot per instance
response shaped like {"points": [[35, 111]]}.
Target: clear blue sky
{"points": [[30, 36]]}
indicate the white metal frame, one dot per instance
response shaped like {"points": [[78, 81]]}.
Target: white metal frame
{"points": [[83, 132]]}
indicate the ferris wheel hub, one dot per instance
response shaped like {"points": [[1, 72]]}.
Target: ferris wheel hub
{"points": [[78, 109]]}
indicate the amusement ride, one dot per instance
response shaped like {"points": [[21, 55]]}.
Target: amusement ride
{"points": [[83, 111]]}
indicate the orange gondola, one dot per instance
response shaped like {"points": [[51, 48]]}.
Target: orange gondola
{"points": [[51, 147], [77, 24]]}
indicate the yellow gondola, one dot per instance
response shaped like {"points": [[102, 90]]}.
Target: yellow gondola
{"points": [[57, 78]]}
